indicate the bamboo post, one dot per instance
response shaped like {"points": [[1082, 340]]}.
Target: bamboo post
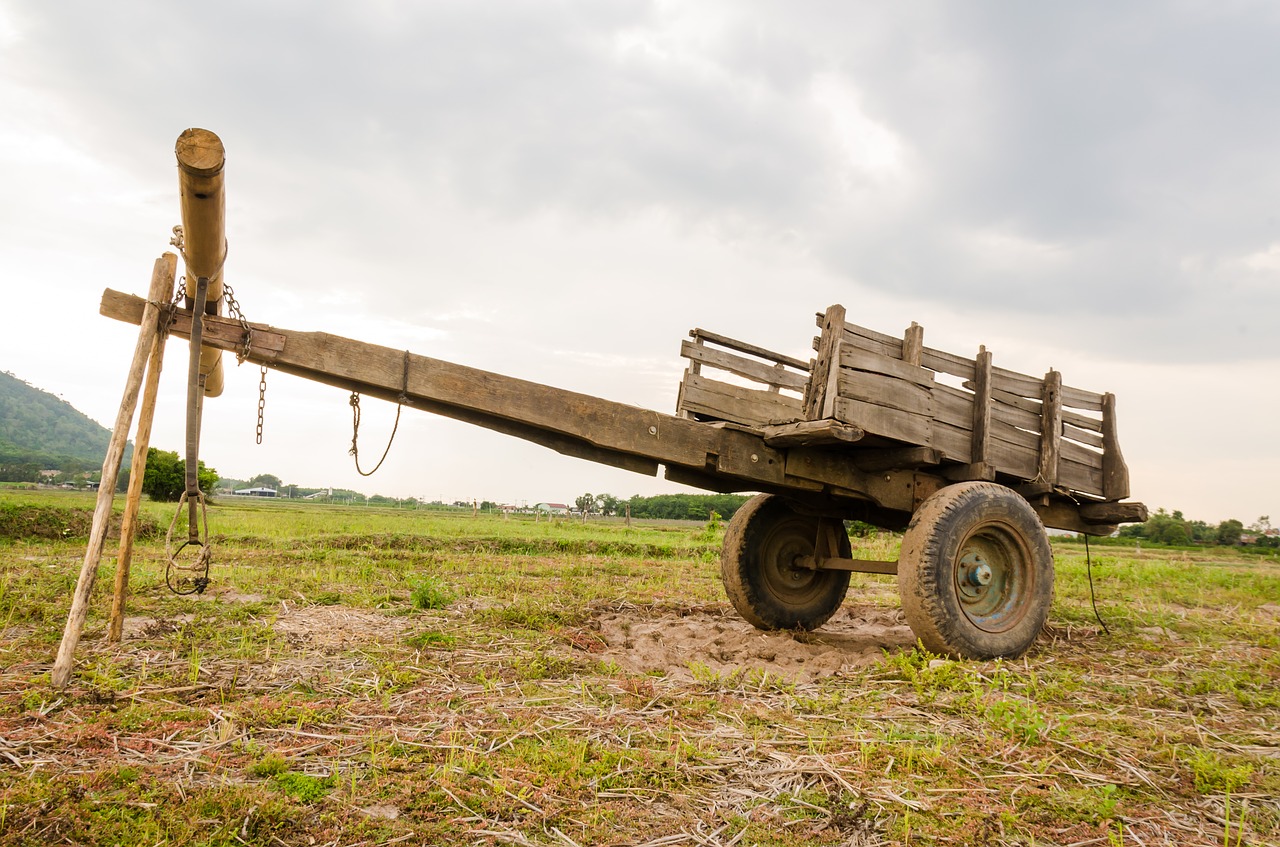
{"points": [[137, 471], [161, 290], [201, 158]]}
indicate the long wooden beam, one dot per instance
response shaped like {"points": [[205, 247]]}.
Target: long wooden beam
{"points": [[718, 457]]}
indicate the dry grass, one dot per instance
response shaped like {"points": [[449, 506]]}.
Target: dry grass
{"points": [[307, 700]]}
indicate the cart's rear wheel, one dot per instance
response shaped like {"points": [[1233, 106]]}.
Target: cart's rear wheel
{"points": [[976, 572], [759, 566]]}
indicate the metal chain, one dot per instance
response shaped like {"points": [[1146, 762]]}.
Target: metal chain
{"points": [[262, 399]]}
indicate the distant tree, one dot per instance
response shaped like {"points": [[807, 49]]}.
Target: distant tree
{"points": [[1261, 526], [266, 480], [607, 504], [166, 476], [1229, 532], [585, 503]]}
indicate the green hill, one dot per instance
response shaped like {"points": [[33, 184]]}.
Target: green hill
{"points": [[39, 431]]}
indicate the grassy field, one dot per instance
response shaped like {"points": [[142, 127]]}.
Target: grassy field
{"points": [[358, 676]]}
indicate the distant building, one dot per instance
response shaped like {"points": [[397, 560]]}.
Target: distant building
{"points": [[255, 492], [552, 508]]}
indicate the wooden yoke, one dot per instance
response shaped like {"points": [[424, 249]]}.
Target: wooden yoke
{"points": [[201, 158]]}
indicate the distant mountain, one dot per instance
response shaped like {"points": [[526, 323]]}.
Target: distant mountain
{"points": [[37, 428]]}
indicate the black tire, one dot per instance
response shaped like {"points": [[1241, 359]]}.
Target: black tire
{"points": [[976, 572], [757, 567]]}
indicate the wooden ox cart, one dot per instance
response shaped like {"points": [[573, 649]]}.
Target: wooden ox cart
{"points": [[973, 461]]}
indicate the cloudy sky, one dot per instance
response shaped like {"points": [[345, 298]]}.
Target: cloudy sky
{"points": [[560, 191]]}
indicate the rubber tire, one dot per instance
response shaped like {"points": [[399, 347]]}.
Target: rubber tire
{"points": [[773, 595], [948, 527]]}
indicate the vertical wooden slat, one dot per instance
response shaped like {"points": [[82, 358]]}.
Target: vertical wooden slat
{"points": [[820, 396], [1051, 428], [980, 450], [913, 344], [1115, 473]]}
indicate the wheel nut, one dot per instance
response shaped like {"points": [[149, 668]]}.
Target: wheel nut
{"points": [[981, 575]]}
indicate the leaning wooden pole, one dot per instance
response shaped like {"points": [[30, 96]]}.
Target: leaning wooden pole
{"points": [[137, 471], [160, 292]]}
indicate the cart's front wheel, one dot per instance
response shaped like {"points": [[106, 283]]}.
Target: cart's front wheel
{"points": [[760, 564], [976, 572]]}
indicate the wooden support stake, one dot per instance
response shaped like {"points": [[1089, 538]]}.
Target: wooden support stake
{"points": [[981, 407], [913, 344], [161, 289], [137, 471], [1050, 428], [819, 396], [1115, 473]]}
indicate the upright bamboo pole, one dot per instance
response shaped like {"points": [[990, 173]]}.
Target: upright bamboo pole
{"points": [[161, 290], [202, 195], [137, 471]]}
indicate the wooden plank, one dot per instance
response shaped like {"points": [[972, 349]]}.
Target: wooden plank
{"points": [[874, 459], [1080, 478], [1083, 436], [1016, 383], [811, 433], [747, 406], [1080, 453], [1014, 416], [700, 354], [1035, 407], [855, 336], [948, 363], [1051, 431], [1115, 473], [953, 442], [885, 391], [1111, 512], [953, 406], [891, 423], [1078, 398], [866, 360], [981, 406], [751, 349], [817, 400], [912, 344]]}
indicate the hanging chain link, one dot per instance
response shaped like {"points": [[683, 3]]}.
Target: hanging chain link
{"points": [[262, 399]]}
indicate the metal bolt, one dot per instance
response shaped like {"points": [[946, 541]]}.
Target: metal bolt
{"points": [[653, 430], [754, 457]]}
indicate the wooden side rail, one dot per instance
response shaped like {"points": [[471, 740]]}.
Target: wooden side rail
{"points": [[781, 380]]}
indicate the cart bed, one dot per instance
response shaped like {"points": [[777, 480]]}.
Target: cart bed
{"points": [[978, 421]]}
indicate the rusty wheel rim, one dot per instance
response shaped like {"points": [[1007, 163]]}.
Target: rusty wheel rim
{"points": [[994, 578]]}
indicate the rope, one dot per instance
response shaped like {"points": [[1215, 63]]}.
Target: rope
{"points": [[355, 421], [1088, 564]]}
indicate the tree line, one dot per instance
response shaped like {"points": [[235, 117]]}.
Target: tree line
{"points": [[1173, 528]]}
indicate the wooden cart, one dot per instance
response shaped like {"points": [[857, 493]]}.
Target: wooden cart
{"points": [[973, 461]]}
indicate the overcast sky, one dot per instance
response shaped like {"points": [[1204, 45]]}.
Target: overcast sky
{"points": [[560, 191]]}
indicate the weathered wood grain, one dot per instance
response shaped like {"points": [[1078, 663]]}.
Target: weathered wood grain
{"points": [[981, 406], [160, 291], [750, 349], [891, 423], [818, 399], [866, 360], [1051, 428], [811, 433], [748, 406], [912, 344], [1115, 473], [885, 391], [757, 371]]}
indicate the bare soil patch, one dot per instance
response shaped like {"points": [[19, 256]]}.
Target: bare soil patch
{"points": [[676, 644]]}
